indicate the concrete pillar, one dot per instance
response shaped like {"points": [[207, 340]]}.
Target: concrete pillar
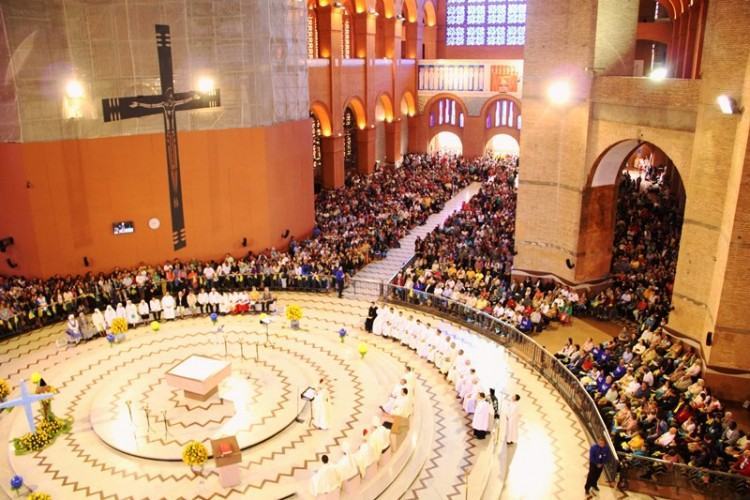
{"points": [[616, 27], [364, 36], [393, 141], [366, 150], [332, 149], [430, 42], [414, 34], [392, 34]]}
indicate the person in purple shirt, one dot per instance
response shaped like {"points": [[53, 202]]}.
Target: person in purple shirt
{"points": [[599, 455]]}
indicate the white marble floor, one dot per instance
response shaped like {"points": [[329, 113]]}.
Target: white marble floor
{"points": [[548, 461]]}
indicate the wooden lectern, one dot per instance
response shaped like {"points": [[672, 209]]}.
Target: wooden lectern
{"points": [[227, 455]]}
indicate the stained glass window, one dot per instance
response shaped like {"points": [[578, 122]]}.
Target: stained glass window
{"points": [[447, 113], [503, 113], [485, 22]]}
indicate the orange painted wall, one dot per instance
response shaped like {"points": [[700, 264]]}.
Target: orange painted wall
{"points": [[252, 183]]}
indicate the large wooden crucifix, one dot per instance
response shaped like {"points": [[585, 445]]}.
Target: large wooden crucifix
{"points": [[167, 104]]}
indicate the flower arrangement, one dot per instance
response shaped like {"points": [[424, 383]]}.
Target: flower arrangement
{"points": [[362, 349], [38, 495], [342, 334], [293, 312], [214, 317], [119, 325], [16, 483], [155, 325], [4, 389], [46, 433], [195, 455]]}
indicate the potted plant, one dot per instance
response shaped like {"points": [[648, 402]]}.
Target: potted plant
{"points": [[4, 389], [342, 334], [294, 314], [362, 349], [195, 455]]}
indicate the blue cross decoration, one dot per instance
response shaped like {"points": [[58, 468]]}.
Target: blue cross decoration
{"points": [[26, 400]]}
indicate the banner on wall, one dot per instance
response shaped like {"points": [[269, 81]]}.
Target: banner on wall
{"points": [[470, 77]]}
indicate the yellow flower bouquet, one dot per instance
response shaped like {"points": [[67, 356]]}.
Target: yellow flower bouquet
{"points": [[293, 312], [4, 389], [38, 495], [195, 454], [119, 325]]}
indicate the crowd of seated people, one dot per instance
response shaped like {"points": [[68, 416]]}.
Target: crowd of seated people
{"points": [[644, 258], [354, 224], [649, 391], [467, 262]]}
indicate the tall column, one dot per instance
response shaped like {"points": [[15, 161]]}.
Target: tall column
{"points": [[416, 134], [392, 34], [366, 150], [429, 39], [330, 39], [414, 34], [393, 141], [616, 27], [332, 149], [364, 35]]}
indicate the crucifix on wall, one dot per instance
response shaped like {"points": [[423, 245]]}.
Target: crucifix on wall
{"points": [[167, 104]]}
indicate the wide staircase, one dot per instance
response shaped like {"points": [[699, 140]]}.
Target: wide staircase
{"points": [[369, 278]]}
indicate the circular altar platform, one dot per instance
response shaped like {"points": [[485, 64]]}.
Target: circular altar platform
{"points": [[144, 416]]}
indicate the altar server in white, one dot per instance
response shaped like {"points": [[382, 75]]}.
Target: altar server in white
{"points": [[321, 408], [511, 420], [326, 479], [346, 465], [155, 305], [381, 320], [109, 316], [365, 455], [168, 305], [380, 436], [143, 310], [482, 417], [403, 405], [120, 312], [99, 322]]}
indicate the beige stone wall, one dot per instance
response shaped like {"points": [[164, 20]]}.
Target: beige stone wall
{"points": [[255, 50], [616, 26]]}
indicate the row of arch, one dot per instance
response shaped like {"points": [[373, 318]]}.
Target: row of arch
{"points": [[383, 110], [406, 10]]}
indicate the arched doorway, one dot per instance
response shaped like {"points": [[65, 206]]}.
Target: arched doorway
{"points": [[408, 109], [631, 224], [317, 152], [446, 142], [350, 140], [502, 145]]}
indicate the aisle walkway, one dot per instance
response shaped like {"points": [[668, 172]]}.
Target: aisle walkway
{"points": [[383, 270]]}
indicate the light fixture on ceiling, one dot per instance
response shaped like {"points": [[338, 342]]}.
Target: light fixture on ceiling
{"points": [[728, 105]]}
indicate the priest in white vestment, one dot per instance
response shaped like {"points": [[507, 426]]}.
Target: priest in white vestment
{"points": [[143, 310], [155, 305], [168, 305], [346, 465], [109, 316], [395, 394], [482, 417], [381, 320], [321, 408], [120, 312], [97, 318], [380, 437], [466, 385], [131, 313], [326, 479], [471, 397], [403, 405], [365, 455], [459, 361], [511, 420]]}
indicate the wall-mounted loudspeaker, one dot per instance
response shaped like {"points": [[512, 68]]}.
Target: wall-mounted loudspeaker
{"points": [[569, 263], [85, 262], [11, 264], [5, 243], [709, 338], [244, 242]]}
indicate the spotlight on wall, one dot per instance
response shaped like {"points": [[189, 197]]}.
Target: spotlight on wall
{"points": [[244, 242], [5, 243], [86, 261], [285, 234], [569, 263], [728, 105], [658, 74], [206, 84], [559, 92], [11, 264], [74, 89], [373, 12]]}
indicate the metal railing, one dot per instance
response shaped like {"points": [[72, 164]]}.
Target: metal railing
{"points": [[633, 469]]}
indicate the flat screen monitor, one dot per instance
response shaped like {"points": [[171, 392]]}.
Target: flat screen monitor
{"points": [[309, 394], [123, 227]]}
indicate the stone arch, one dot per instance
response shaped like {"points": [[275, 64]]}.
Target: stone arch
{"points": [[430, 18], [358, 107], [384, 105], [599, 206], [321, 112], [408, 104]]}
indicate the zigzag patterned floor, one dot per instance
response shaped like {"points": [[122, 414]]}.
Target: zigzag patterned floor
{"points": [[549, 459]]}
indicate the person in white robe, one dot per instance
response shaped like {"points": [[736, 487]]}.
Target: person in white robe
{"points": [[321, 408], [109, 316], [225, 304], [381, 320], [461, 373], [415, 335], [155, 306], [380, 437], [203, 301], [466, 384], [403, 405], [73, 329], [99, 322], [459, 361], [120, 312], [365, 455], [168, 305], [143, 310], [131, 313], [346, 465], [482, 417], [411, 378], [397, 327], [471, 397], [326, 479], [512, 416], [395, 394], [425, 341], [214, 299], [192, 301], [448, 358]]}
